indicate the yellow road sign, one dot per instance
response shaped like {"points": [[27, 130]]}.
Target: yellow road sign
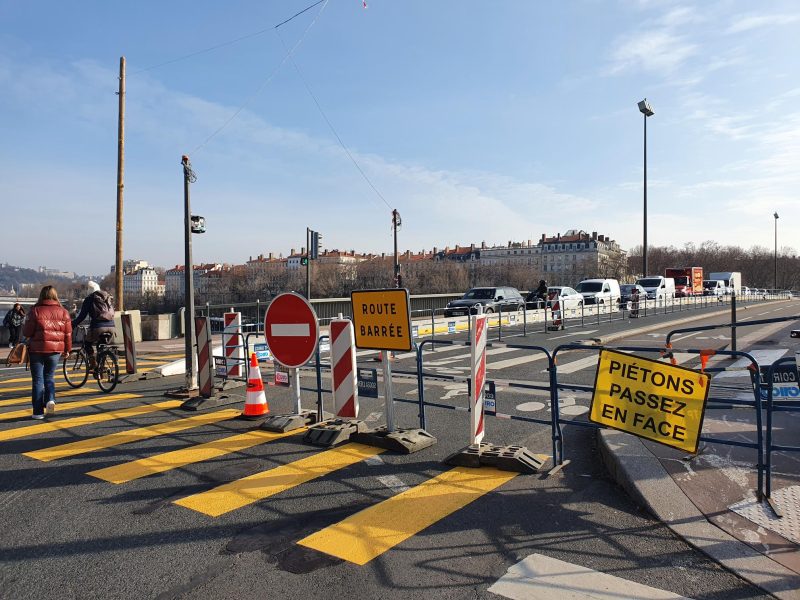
{"points": [[650, 399], [381, 319]]}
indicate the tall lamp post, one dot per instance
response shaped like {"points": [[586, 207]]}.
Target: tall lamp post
{"points": [[776, 252], [647, 111]]}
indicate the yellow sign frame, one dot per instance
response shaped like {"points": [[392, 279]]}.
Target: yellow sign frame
{"points": [[650, 399], [381, 319]]}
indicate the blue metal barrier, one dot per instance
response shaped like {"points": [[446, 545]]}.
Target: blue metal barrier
{"points": [[712, 402], [421, 375], [776, 406]]}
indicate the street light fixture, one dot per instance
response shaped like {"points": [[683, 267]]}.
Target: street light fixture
{"points": [[647, 111], [776, 251]]}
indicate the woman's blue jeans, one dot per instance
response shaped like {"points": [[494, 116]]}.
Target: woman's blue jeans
{"points": [[43, 370]]}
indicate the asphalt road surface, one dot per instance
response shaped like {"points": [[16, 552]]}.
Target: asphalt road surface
{"points": [[126, 496]]}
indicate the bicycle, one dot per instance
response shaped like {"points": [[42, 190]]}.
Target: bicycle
{"points": [[76, 366]]}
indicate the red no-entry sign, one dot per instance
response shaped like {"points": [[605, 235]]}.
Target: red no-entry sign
{"points": [[291, 329]]}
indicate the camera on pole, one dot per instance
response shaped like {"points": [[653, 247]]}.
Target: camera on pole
{"points": [[198, 224]]}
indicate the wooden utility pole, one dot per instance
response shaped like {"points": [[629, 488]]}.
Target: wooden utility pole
{"points": [[119, 275]]}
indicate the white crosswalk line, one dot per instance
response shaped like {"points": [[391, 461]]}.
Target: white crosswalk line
{"points": [[447, 361], [763, 357], [540, 577], [513, 362], [578, 365]]}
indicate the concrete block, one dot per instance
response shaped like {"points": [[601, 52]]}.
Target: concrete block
{"points": [[157, 327]]}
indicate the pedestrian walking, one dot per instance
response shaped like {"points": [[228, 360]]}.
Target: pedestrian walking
{"points": [[634, 303], [14, 320], [49, 332]]}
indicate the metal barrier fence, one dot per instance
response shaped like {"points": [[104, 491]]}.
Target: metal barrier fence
{"points": [[774, 406], [713, 402]]}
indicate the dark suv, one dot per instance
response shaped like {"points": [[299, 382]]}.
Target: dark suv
{"points": [[493, 299]]}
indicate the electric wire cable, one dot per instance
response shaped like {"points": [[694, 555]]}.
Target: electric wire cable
{"points": [[266, 81], [226, 43], [332, 128]]}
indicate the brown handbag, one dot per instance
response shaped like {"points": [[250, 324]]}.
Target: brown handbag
{"points": [[18, 355]]}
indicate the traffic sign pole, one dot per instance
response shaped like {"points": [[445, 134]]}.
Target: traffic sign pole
{"points": [[298, 409], [388, 392]]}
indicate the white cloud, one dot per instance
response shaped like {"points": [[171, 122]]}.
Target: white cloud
{"points": [[742, 23], [656, 50]]}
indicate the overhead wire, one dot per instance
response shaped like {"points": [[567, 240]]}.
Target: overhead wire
{"points": [[269, 78], [332, 128], [226, 43]]}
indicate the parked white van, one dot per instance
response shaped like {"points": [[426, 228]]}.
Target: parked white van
{"points": [[658, 288], [599, 291]]}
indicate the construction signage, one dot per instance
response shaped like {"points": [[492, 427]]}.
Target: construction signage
{"points": [[650, 399], [381, 319]]}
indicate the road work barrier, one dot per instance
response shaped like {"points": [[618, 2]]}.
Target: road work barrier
{"points": [[657, 400], [780, 376]]}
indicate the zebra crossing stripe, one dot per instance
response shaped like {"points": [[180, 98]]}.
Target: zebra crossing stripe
{"points": [[368, 534], [143, 409], [64, 406], [27, 399], [259, 486], [187, 456], [131, 435]]}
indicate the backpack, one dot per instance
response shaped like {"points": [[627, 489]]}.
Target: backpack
{"points": [[102, 309]]}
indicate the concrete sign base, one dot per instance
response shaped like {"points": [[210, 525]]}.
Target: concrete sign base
{"points": [[402, 441], [506, 458]]}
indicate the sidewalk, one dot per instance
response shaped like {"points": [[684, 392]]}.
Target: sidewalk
{"points": [[693, 497]]}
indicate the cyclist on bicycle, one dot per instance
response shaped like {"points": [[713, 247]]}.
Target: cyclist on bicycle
{"points": [[98, 306]]}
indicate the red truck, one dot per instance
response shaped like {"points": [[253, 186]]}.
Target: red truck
{"points": [[688, 281]]}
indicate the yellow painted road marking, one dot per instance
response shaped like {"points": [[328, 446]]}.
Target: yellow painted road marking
{"points": [[258, 486], [187, 456], [15, 380], [61, 394], [62, 406], [371, 532], [131, 435], [143, 409], [26, 388]]}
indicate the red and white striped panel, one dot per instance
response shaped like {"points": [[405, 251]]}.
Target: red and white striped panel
{"points": [[233, 343], [343, 369], [477, 378], [205, 369]]}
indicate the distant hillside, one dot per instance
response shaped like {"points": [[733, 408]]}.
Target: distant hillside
{"points": [[15, 276]]}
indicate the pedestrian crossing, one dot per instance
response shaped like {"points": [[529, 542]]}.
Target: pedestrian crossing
{"points": [[431, 501], [358, 538]]}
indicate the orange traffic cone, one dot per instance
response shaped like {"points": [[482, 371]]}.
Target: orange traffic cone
{"points": [[255, 404]]}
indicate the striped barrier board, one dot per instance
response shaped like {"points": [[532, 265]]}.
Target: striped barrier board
{"points": [[205, 366], [232, 342], [343, 373], [130, 347], [477, 377]]}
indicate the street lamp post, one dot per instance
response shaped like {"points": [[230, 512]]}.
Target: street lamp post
{"points": [[647, 111], [775, 286]]}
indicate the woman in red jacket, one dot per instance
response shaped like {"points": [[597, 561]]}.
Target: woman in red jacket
{"points": [[49, 332]]}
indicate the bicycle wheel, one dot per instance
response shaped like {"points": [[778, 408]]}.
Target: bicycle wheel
{"points": [[75, 368], [107, 370]]}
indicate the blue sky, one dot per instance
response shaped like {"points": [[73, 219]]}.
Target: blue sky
{"points": [[478, 121]]}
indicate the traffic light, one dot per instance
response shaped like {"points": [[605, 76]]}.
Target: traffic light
{"points": [[315, 239], [304, 261]]}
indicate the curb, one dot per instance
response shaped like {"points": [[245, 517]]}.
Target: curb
{"points": [[646, 481]]}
